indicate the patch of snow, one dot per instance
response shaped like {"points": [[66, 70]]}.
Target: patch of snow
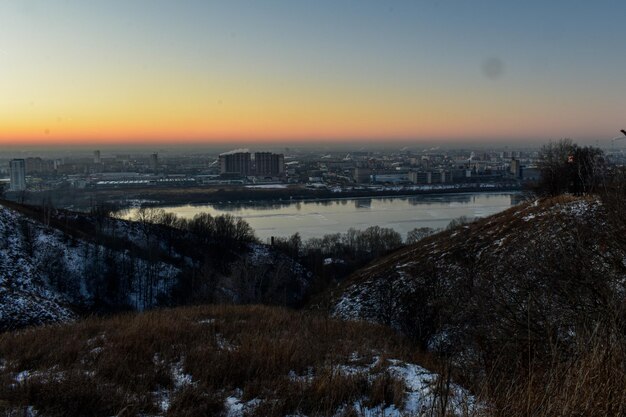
{"points": [[180, 378], [222, 343], [236, 408], [22, 377]]}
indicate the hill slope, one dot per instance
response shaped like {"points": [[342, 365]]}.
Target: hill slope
{"points": [[534, 275], [46, 275], [55, 265], [219, 361]]}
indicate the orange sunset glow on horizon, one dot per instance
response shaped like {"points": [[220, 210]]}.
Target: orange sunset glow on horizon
{"points": [[200, 74]]}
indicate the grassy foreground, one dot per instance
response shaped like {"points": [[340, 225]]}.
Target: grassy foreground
{"points": [[239, 361], [194, 361]]}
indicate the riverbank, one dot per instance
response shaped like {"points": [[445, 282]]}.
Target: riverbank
{"points": [[84, 199]]}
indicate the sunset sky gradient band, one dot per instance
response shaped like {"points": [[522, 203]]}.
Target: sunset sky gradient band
{"points": [[195, 71]]}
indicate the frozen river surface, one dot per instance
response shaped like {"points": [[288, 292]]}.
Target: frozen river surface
{"points": [[317, 218]]}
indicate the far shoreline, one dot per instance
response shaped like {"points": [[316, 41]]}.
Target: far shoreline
{"points": [[128, 198]]}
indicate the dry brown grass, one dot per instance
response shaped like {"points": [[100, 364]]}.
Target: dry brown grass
{"points": [[119, 365], [591, 382]]}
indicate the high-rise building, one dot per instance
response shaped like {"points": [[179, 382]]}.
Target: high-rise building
{"points": [[430, 177], [235, 163], [96, 157], [362, 175], [154, 162], [516, 168], [269, 164], [34, 165], [18, 174]]}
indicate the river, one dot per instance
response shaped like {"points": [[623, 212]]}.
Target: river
{"points": [[320, 217]]}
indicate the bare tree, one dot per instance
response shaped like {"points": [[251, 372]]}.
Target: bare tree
{"points": [[147, 218], [566, 167], [418, 234]]}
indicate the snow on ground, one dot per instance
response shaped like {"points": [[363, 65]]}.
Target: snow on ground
{"points": [[43, 272], [179, 378], [267, 186], [235, 407], [422, 393], [535, 230], [24, 295]]}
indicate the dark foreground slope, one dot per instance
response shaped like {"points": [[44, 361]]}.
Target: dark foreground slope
{"points": [[56, 265], [219, 361], [531, 279]]}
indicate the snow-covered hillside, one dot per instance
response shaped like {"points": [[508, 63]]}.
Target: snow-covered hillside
{"points": [[46, 274], [556, 264], [72, 262]]}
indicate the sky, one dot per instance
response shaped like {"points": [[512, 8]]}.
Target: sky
{"points": [[153, 71]]}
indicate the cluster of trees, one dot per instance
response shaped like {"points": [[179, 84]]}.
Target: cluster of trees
{"points": [[354, 246], [335, 256], [569, 168], [613, 195], [224, 230], [106, 264], [360, 245], [223, 266]]}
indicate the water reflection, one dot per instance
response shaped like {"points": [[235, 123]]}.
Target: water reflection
{"points": [[362, 202], [320, 217]]}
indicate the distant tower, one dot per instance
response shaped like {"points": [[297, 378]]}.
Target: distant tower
{"points": [[18, 174], [154, 162], [516, 168], [236, 163], [362, 174], [267, 163], [96, 157]]}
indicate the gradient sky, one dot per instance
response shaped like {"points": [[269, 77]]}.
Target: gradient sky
{"points": [[130, 71]]}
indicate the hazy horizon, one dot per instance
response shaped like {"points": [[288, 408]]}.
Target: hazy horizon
{"points": [[167, 148]]}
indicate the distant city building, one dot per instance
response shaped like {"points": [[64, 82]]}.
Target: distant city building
{"points": [[96, 157], [390, 178], [437, 177], [37, 165], [236, 163], [430, 177], [18, 174], [154, 162], [531, 174], [516, 168], [419, 177], [362, 175], [269, 164], [123, 159]]}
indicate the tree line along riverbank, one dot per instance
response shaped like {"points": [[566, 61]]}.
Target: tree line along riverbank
{"points": [[86, 199]]}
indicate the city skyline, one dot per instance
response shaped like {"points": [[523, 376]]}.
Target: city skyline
{"points": [[139, 72]]}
